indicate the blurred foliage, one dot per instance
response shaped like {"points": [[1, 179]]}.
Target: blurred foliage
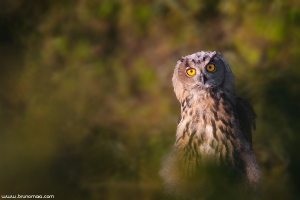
{"points": [[87, 107]]}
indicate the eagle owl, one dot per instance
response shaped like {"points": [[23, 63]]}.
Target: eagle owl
{"points": [[212, 157]]}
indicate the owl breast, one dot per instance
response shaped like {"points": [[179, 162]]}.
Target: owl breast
{"points": [[205, 145], [207, 127]]}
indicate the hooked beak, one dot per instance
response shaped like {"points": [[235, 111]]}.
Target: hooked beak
{"points": [[203, 78]]}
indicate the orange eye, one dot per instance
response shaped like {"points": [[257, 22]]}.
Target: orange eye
{"points": [[191, 71], [210, 67]]}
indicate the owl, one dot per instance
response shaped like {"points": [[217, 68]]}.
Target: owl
{"points": [[212, 157]]}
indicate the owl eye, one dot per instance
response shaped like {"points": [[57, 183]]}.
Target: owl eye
{"points": [[191, 71], [210, 67]]}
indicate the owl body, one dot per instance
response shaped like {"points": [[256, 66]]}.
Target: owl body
{"points": [[212, 157]]}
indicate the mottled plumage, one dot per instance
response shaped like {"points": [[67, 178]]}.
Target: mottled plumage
{"points": [[212, 157]]}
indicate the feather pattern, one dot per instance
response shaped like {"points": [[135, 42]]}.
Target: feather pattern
{"points": [[246, 116]]}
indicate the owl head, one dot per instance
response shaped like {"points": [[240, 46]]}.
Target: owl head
{"points": [[200, 72]]}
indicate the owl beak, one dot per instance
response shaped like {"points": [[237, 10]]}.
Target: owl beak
{"points": [[203, 78]]}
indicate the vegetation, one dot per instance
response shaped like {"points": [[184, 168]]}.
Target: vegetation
{"points": [[87, 109]]}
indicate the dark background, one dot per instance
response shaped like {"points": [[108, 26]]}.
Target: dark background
{"points": [[87, 108]]}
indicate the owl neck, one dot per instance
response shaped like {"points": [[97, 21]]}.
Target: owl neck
{"points": [[207, 104]]}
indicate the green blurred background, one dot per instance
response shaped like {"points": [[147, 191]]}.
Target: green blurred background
{"points": [[87, 109]]}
